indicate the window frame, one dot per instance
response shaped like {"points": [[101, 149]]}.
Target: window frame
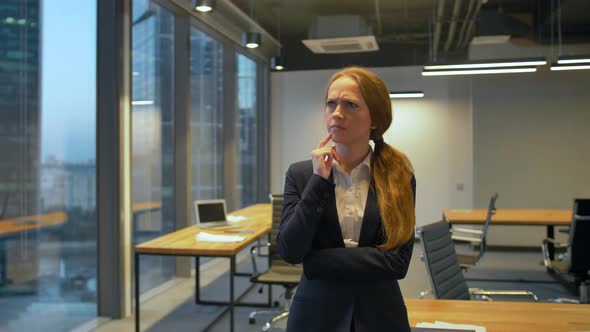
{"points": [[114, 166]]}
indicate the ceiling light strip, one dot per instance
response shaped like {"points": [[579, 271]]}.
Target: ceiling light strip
{"points": [[480, 71], [142, 102], [407, 94], [569, 61], [486, 65], [578, 67]]}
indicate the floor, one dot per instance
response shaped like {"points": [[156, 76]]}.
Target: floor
{"points": [[174, 308]]}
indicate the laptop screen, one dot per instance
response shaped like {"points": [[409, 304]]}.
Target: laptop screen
{"points": [[210, 212]]}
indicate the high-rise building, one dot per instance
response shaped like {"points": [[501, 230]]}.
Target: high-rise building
{"points": [[19, 105]]}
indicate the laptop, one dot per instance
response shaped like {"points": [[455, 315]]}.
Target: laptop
{"points": [[211, 214]]}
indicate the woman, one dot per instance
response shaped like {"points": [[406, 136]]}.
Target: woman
{"points": [[348, 216]]}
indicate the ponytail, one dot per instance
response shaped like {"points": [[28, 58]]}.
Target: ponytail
{"points": [[391, 176]]}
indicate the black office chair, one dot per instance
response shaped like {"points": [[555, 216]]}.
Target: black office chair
{"points": [[573, 266], [279, 272], [446, 276], [475, 237]]}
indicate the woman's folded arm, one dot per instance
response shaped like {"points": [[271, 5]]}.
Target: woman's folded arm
{"points": [[301, 215], [360, 263]]}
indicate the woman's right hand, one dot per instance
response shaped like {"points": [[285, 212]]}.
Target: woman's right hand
{"points": [[322, 158]]}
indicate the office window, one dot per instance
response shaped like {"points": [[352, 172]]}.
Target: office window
{"points": [[152, 134], [206, 72], [246, 130], [48, 165]]}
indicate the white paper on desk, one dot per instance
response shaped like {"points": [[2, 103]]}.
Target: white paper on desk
{"points": [[444, 325], [208, 237], [235, 218]]}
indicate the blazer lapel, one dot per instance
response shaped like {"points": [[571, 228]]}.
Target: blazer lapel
{"points": [[331, 214], [371, 221]]}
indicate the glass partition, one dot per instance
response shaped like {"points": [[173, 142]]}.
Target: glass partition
{"points": [[152, 134], [48, 166], [206, 107], [246, 130]]}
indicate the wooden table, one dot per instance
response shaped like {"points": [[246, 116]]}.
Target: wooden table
{"points": [[145, 206], [503, 316], [12, 226], [139, 208], [547, 218], [15, 225], [258, 223], [511, 217]]}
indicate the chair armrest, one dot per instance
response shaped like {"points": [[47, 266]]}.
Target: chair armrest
{"points": [[253, 259], [581, 218], [476, 291], [465, 239], [563, 300], [545, 251], [555, 243], [467, 231], [424, 293], [253, 251]]}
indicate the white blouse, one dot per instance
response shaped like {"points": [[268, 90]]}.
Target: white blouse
{"points": [[351, 197]]}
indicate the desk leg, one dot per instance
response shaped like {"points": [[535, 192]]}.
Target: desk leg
{"points": [[269, 259], [550, 246], [197, 280], [137, 292], [231, 291], [3, 253]]}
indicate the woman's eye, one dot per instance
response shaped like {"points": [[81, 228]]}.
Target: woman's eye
{"points": [[330, 104], [352, 105]]}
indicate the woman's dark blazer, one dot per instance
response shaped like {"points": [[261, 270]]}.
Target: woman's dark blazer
{"points": [[339, 283]]}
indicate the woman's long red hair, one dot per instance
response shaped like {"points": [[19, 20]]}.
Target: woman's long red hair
{"points": [[391, 169]]}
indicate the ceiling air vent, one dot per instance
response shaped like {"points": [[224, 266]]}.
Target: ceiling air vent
{"points": [[342, 45], [340, 34]]}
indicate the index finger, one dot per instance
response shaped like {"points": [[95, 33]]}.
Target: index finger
{"points": [[324, 141]]}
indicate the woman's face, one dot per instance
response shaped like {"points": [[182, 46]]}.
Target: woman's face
{"points": [[347, 115]]}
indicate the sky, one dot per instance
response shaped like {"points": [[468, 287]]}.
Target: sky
{"points": [[68, 80]]}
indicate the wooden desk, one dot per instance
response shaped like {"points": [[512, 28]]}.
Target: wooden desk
{"points": [[182, 243], [139, 207], [503, 316], [13, 226], [547, 218], [511, 217], [19, 224]]}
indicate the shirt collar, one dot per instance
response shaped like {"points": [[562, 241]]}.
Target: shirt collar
{"points": [[366, 162]]}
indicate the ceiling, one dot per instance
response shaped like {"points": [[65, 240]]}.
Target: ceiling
{"points": [[414, 32]]}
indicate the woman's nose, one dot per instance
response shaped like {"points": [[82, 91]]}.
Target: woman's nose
{"points": [[338, 111]]}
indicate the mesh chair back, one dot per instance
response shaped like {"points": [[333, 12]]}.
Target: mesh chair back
{"points": [[439, 255], [277, 206], [579, 245]]}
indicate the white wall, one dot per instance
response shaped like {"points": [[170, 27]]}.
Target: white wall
{"points": [[532, 144], [524, 136], [435, 132]]}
